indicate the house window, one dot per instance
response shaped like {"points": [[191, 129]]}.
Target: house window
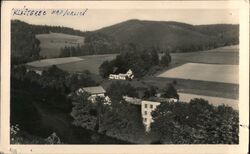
{"points": [[145, 112], [151, 106], [146, 105]]}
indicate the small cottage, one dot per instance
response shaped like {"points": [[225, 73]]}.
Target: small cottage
{"points": [[93, 91]]}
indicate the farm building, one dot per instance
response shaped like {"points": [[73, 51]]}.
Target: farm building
{"points": [[146, 109], [120, 76], [94, 92]]}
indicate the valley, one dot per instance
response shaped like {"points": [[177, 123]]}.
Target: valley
{"points": [[161, 61]]}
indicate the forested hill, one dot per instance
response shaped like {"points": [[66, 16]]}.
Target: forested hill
{"points": [[42, 29], [173, 36]]}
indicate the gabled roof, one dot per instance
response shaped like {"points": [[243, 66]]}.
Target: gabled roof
{"points": [[94, 90]]}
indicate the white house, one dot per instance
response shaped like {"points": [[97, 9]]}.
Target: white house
{"points": [[146, 109], [120, 76], [94, 92]]}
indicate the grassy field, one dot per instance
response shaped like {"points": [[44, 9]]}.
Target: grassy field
{"points": [[91, 63], [205, 72], [215, 89], [52, 43], [74, 64], [224, 55], [228, 55], [216, 101], [54, 61]]}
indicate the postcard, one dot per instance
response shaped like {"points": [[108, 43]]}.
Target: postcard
{"points": [[124, 77]]}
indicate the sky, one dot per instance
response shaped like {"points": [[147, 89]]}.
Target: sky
{"points": [[98, 18]]}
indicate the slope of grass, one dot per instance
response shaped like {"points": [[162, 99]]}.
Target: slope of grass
{"points": [[52, 43]]}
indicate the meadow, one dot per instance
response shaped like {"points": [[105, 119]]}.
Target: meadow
{"points": [[53, 61], [52, 43], [205, 72], [205, 81], [216, 101], [91, 63], [223, 55]]}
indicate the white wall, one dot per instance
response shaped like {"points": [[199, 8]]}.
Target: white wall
{"points": [[146, 109]]}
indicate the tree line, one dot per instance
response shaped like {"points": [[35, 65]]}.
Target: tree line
{"points": [[94, 43], [139, 60]]}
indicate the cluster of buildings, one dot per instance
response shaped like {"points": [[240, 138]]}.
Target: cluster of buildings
{"points": [[147, 107]]}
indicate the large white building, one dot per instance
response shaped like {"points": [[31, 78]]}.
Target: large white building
{"points": [[146, 109]]}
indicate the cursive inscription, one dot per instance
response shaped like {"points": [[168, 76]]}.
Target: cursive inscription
{"points": [[41, 12]]}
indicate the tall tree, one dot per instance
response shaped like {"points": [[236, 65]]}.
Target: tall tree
{"points": [[106, 68], [84, 112], [170, 92], [166, 59], [117, 90]]}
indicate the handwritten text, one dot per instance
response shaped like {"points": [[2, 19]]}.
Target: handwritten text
{"points": [[40, 12]]}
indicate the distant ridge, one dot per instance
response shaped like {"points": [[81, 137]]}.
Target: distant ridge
{"points": [[168, 36], [174, 35]]}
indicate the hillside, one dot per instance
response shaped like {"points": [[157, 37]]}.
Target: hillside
{"points": [[173, 36], [32, 42], [25, 46], [52, 43]]}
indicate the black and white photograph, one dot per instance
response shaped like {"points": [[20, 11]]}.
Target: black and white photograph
{"points": [[95, 76]]}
